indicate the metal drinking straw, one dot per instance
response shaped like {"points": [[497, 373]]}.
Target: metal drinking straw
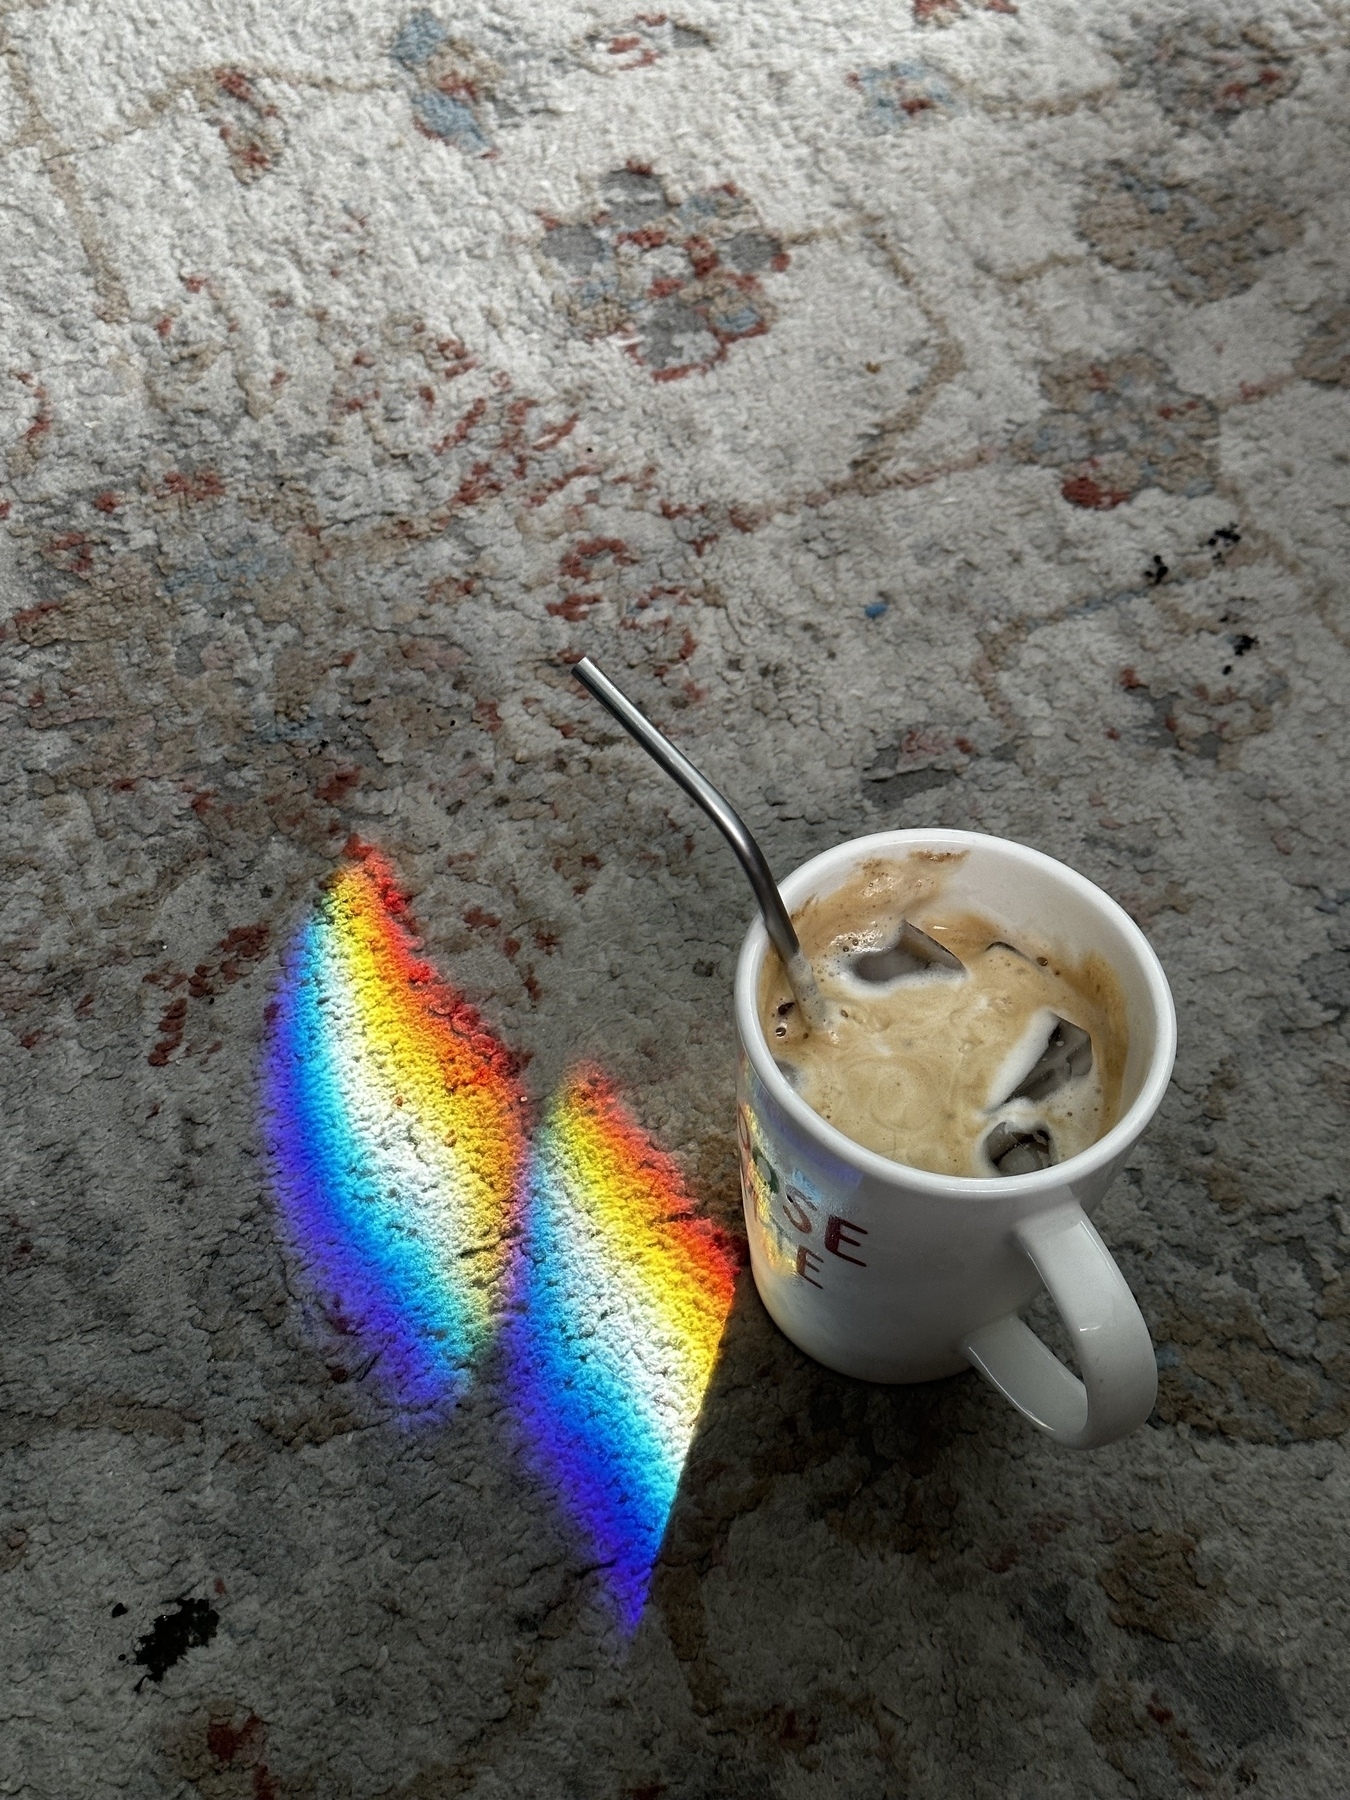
{"points": [[782, 933]]}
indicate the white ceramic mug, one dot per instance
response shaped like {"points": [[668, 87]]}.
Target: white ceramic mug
{"points": [[894, 1274]]}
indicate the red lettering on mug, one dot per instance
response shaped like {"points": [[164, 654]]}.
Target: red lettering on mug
{"points": [[835, 1228], [807, 1259], [794, 1205]]}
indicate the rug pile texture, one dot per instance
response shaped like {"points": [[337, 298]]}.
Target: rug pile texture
{"points": [[934, 413]]}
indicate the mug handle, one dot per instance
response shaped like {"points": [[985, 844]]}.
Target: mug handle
{"points": [[1110, 1338]]}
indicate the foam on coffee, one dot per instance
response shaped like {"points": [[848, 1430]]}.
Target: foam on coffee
{"points": [[956, 1046]]}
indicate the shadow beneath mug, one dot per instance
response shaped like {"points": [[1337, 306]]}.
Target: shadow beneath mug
{"points": [[878, 1470]]}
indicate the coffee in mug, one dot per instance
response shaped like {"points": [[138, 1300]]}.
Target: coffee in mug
{"points": [[949, 1048]]}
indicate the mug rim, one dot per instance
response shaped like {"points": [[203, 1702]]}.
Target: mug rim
{"points": [[1087, 1162]]}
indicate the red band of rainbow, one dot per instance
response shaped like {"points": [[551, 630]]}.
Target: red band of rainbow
{"points": [[395, 1122], [621, 1303]]}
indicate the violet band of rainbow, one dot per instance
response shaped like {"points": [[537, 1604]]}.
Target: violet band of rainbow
{"points": [[621, 1305], [394, 1122]]}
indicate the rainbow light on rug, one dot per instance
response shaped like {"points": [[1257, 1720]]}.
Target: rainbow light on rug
{"points": [[394, 1119], [620, 1306]]}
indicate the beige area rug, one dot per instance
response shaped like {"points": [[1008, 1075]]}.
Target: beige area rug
{"points": [[935, 413]]}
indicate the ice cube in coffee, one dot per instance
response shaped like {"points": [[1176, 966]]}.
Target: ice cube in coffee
{"points": [[954, 1049]]}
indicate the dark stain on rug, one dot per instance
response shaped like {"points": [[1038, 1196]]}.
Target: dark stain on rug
{"points": [[190, 1626]]}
